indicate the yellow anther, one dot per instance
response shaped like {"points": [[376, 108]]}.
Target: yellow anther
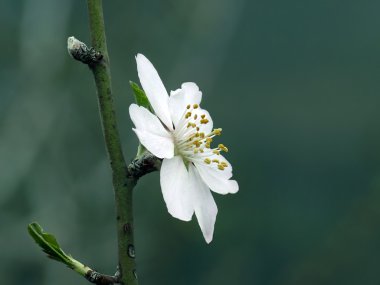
{"points": [[193, 125], [221, 167], [217, 132], [207, 145], [216, 161], [188, 125], [188, 115], [204, 121], [202, 135], [197, 128], [203, 116], [195, 116], [196, 150], [217, 152], [197, 135], [223, 147], [197, 143], [209, 140], [201, 150], [224, 164], [188, 106], [195, 106], [207, 160]]}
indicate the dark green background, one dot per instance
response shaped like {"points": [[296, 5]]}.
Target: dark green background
{"points": [[295, 86]]}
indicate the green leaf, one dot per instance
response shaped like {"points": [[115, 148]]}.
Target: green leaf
{"points": [[140, 96], [49, 244], [51, 247]]}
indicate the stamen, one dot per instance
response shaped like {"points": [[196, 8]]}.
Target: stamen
{"points": [[217, 132], [223, 147], [190, 125], [195, 145]]}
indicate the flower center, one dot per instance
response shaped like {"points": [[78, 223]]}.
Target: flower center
{"points": [[193, 137]]}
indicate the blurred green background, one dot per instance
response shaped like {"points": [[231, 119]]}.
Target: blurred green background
{"points": [[294, 84]]}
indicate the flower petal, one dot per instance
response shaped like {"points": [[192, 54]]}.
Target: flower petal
{"points": [[151, 132], [146, 121], [154, 89], [160, 146], [180, 98], [216, 180], [174, 180], [204, 204]]}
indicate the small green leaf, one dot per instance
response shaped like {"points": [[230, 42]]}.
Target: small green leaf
{"points": [[51, 247], [140, 96], [49, 244]]}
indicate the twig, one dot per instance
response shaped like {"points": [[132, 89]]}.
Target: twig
{"points": [[124, 178], [97, 59]]}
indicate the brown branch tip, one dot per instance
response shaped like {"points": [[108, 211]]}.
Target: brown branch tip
{"points": [[81, 52]]}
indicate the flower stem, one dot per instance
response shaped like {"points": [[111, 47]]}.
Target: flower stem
{"points": [[123, 184]]}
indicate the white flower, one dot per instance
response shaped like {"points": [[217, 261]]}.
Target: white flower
{"points": [[181, 133]]}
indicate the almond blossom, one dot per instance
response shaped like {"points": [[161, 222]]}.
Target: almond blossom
{"points": [[181, 133]]}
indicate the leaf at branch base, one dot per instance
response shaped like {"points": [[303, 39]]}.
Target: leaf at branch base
{"points": [[49, 244], [140, 96]]}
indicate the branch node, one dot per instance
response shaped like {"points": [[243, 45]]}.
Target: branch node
{"points": [[101, 279], [143, 165], [81, 52]]}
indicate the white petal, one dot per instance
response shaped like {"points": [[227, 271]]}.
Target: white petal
{"points": [[146, 121], [204, 205], [154, 89], [160, 146], [216, 180], [174, 179], [180, 98]]}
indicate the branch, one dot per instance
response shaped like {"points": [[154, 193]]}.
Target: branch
{"points": [[97, 59]]}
